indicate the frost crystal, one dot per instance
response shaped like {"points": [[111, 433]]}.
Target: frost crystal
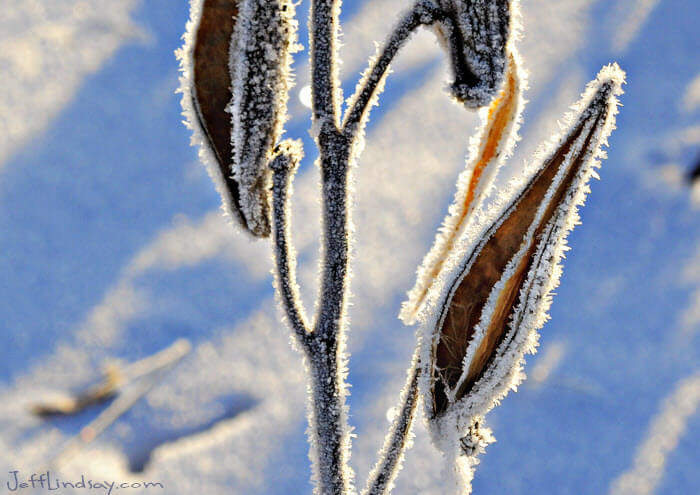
{"points": [[475, 34], [492, 301], [260, 64]]}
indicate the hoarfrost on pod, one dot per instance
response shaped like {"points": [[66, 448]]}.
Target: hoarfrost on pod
{"points": [[235, 77], [491, 301], [260, 64], [475, 34]]}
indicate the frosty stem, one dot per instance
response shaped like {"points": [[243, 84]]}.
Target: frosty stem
{"points": [[326, 349], [283, 170], [323, 34], [424, 12], [324, 343], [388, 466]]}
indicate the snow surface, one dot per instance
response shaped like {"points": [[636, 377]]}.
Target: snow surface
{"points": [[46, 50], [113, 246]]}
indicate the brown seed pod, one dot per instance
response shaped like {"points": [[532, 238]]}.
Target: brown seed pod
{"points": [[466, 307], [495, 298], [206, 88], [235, 80], [475, 34]]}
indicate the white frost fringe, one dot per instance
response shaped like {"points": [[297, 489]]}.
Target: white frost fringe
{"points": [[535, 298]]}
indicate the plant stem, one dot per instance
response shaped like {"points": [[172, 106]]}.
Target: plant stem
{"points": [[323, 33], [382, 477], [327, 353], [424, 12], [324, 345], [328, 428], [283, 169]]}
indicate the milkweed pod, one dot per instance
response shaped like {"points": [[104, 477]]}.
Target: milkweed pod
{"points": [[205, 84], [475, 34], [260, 65], [488, 151], [495, 298], [235, 69]]}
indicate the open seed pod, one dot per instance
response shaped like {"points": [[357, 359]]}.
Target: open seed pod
{"points": [[475, 34], [495, 295], [205, 84], [488, 152], [222, 37]]}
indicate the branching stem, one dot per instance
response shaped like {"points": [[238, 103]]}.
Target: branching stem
{"points": [[324, 342]]}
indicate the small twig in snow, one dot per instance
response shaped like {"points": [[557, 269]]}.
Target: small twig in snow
{"points": [[164, 361]]}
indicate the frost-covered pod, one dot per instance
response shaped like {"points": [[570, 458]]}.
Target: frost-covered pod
{"points": [[205, 84], [260, 63], [488, 151], [475, 34], [493, 299], [235, 76]]}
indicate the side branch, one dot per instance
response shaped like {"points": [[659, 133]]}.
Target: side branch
{"points": [[425, 12], [381, 479], [284, 167]]}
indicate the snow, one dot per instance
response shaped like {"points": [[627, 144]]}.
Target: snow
{"points": [[46, 49], [691, 97], [661, 438]]}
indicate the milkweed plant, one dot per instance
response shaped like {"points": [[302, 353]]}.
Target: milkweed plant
{"points": [[484, 288]]}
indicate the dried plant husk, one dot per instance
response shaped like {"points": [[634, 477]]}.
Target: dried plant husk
{"points": [[236, 73], [205, 85], [495, 296], [475, 34], [260, 63]]}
